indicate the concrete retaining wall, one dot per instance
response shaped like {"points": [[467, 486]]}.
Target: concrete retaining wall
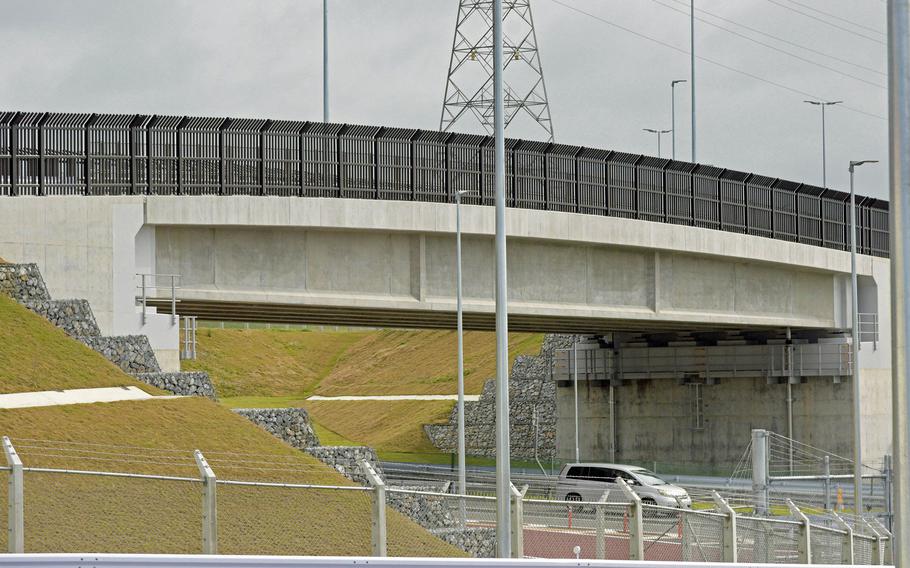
{"points": [[654, 420], [289, 424]]}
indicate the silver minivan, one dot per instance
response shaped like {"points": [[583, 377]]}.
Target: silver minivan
{"points": [[588, 481]]}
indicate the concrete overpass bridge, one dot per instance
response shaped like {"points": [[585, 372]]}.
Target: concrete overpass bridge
{"points": [[326, 223], [333, 223]]}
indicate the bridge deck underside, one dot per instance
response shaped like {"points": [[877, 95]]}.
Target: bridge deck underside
{"points": [[424, 319]]}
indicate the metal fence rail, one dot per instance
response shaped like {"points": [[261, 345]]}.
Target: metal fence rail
{"points": [[83, 510], [102, 154]]}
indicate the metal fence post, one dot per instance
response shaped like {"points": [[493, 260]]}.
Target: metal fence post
{"points": [[600, 543], [877, 556], [173, 299], [760, 470], [729, 549], [827, 466], [209, 506], [142, 277], [804, 547], [636, 525], [517, 527], [15, 501], [888, 548], [379, 500], [847, 550]]}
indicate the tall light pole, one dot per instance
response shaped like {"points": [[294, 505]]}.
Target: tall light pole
{"points": [[462, 475], [575, 388], [824, 104], [673, 111], [325, 60], [659, 134], [503, 451], [899, 161], [692, 69], [857, 416]]}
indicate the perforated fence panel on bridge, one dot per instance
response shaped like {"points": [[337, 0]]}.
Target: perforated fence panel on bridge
{"points": [[104, 154]]}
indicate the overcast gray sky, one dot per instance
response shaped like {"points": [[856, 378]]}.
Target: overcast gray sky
{"points": [[262, 58]]}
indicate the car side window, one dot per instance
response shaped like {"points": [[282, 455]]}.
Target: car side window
{"points": [[628, 477], [610, 475], [577, 472], [600, 474]]}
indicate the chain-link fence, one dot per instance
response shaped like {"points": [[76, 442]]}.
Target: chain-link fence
{"points": [[262, 508]]}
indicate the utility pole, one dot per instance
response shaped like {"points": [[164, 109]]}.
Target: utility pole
{"points": [[503, 449], [673, 112], [325, 60], [899, 152]]}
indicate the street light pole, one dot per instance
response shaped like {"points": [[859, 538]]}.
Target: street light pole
{"points": [[673, 111], [462, 475], [325, 60], [857, 416], [503, 450], [659, 134], [824, 104], [575, 386], [899, 161], [692, 69]]}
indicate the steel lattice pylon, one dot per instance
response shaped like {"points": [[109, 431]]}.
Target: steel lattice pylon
{"points": [[469, 86]]}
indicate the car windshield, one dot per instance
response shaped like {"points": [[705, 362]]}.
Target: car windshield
{"points": [[648, 478]]}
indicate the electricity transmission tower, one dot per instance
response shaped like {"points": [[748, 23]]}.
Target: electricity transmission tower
{"points": [[469, 86]]}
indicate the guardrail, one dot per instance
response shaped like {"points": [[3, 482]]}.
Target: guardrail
{"points": [[105, 154], [831, 357]]}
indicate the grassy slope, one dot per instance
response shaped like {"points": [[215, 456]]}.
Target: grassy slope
{"points": [[420, 362], [392, 426], [269, 362], [76, 513], [35, 355], [280, 363], [83, 513], [279, 368]]}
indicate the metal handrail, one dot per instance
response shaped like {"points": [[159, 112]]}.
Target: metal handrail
{"points": [[147, 281], [868, 328]]}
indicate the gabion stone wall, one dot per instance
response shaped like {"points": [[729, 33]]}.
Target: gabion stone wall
{"points": [[195, 383], [289, 424], [346, 460], [531, 391], [74, 317], [132, 353], [23, 282]]}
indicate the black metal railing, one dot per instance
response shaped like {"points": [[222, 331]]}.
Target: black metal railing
{"points": [[103, 154]]}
